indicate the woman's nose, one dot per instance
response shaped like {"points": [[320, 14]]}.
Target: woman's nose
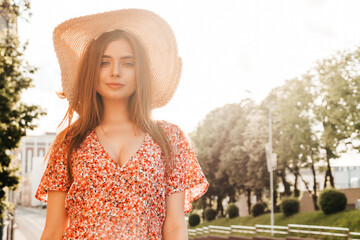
{"points": [[116, 71]]}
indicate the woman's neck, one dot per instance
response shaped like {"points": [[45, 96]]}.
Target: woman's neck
{"points": [[115, 113]]}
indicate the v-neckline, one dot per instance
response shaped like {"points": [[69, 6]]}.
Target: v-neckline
{"points": [[113, 160]]}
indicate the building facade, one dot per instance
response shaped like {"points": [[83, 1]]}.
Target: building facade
{"points": [[30, 157], [346, 172]]}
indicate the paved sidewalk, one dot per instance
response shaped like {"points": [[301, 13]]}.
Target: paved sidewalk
{"points": [[29, 223]]}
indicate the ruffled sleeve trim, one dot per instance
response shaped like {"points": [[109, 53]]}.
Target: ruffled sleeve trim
{"points": [[55, 176], [186, 173]]}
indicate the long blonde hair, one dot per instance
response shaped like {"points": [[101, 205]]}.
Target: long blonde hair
{"points": [[90, 105]]}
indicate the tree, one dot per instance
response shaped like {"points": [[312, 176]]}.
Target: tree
{"points": [[234, 159], [15, 76], [337, 85], [273, 101], [255, 137], [211, 139], [312, 115], [297, 146]]}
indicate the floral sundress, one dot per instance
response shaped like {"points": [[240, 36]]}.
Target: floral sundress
{"points": [[109, 201]]}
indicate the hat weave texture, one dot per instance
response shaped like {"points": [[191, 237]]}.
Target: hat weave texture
{"points": [[72, 37]]}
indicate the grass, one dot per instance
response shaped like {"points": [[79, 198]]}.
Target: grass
{"points": [[348, 218]]}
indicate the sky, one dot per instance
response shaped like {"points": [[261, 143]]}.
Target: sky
{"points": [[231, 49]]}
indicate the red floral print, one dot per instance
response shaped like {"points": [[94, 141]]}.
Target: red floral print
{"points": [[106, 201]]}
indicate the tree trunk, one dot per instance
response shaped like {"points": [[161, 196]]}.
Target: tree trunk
{"points": [[220, 207], [232, 198], [275, 201], [314, 193], [203, 214], [287, 190], [258, 194], [328, 173], [296, 190], [205, 205], [315, 199], [249, 199]]}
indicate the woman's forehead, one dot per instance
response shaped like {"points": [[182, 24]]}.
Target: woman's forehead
{"points": [[119, 48]]}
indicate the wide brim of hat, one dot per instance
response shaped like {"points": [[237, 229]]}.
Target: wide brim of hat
{"points": [[72, 37]]}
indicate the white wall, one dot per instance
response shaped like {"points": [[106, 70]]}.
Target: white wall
{"points": [[36, 175], [344, 175]]}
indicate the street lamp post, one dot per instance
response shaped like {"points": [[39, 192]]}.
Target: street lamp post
{"points": [[271, 159]]}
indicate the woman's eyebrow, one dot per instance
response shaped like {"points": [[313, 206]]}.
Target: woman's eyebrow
{"points": [[125, 57]]}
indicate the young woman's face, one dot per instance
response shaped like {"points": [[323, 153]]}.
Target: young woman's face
{"points": [[117, 80]]}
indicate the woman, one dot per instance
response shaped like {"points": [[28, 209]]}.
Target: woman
{"points": [[114, 173]]}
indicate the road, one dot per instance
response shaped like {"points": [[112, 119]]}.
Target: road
{"points": [[30, 223]]}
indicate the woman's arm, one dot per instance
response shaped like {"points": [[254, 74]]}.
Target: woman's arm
{"points": [[56, 218], [175, 226]]}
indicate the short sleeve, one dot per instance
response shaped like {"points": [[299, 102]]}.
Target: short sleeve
{"points": [[186, 173], [55, 175]]}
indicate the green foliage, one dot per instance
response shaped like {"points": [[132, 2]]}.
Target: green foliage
{"points": [[217, 140], [16, 117], [258, 209], [290, 206], [332, 201], [337, 85], [223, 142], [210, 214], [194, 219], [312, 113], [255, 136], [232, 210], [295, 143]]}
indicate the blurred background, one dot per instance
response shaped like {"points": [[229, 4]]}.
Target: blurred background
{"points": [[268, 87]]}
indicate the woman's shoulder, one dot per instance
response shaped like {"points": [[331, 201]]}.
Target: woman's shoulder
{"points": [[168, 127], [173, 131]]}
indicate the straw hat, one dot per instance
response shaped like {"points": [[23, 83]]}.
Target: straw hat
{"points": [[72, 37]]}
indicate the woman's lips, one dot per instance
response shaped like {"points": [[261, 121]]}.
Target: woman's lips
{"points": [[115, 85]]}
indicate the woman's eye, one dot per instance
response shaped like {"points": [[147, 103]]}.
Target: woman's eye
{"points": [[129, 64], [103, 63]]}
